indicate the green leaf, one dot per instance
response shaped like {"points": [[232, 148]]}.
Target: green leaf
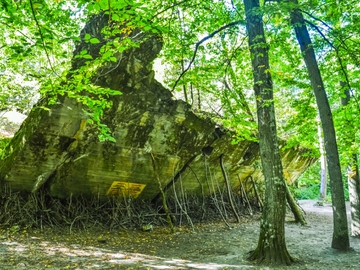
{"points": [[115, 17], [87, 37], [94, 41], [107, 54]]}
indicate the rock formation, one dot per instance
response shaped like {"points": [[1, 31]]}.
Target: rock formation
{"points": [[156, 136]]}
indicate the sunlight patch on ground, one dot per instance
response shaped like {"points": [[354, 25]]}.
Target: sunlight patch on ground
{"points": [[103, 258]]}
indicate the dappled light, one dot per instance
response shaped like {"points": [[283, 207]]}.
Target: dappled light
{"points": [[101, 258], [211, 246]]}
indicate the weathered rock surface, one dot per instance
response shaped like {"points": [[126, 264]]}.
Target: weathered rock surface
{"points": [[59, 150]]}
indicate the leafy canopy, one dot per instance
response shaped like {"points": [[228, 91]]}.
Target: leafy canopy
{"points": [[205, 58]]}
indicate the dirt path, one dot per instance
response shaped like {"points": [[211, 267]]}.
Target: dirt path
{"points": [[210, 246]]}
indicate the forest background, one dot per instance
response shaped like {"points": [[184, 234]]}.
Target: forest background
{"points": [[205, 57], [205, 61]]}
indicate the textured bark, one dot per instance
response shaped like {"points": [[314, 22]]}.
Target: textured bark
{"points": [[323, 170], [353, 180], [340, 235], [271, 246], [354, 192]]}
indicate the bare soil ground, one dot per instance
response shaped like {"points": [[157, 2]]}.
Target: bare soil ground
{"points": [[208, 246]]}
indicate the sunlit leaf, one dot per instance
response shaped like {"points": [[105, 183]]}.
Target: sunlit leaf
{"points": [[94, 40]]}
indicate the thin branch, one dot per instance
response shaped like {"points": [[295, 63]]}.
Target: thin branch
{"points": [[169, 7], [9, 26], [343, 69], [341, 38], [199, 43], [41, 35], [316, 19], [321, 33], [166, 209]]}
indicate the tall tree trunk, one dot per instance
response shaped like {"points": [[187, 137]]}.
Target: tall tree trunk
{"points": [[323, 171], [341, 234], [354, 195], [353, 180], [271, 245]]}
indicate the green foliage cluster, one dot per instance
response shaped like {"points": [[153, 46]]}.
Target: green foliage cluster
{"points": [[207, 39], [206, 59], [307, 186], [37, 45], [205, 55]]}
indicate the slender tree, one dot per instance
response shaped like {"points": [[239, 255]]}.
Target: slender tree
{"points": [[323, 169], [271, 245], [340, 235], [354, 195], [353, 176]]}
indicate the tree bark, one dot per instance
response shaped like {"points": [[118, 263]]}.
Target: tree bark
{"points": [[354, 192], [353, 180], [295, 209], [340, 235], [323, 171], [271, 245]]}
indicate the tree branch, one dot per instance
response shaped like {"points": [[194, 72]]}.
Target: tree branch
{"points": [[169, 7], [316, 18], [343, 69], [321, 33], [341, 38], [199, 43], [41, 35]]}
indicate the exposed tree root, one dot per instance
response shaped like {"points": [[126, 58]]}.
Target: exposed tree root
{"points": [[262, 255], [41, 211], [163, 196]]}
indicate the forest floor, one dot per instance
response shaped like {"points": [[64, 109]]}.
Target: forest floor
{"points": [[209, 246]]}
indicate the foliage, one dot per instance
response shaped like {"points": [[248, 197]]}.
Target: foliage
{"points": [[206, 59], [43, 34], [35, 47], [307, 186], [3, 143], [205, 55]]}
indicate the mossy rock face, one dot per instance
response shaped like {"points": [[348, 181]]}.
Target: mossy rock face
{"points": [[157, 137]]}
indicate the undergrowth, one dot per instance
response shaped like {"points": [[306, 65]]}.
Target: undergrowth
{"points": [[308, 185]]}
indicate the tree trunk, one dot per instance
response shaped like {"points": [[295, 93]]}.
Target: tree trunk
{"points": [[354, 192], [295, 209], [353, 180], [323, 175], [271, 245], [340, 235]]}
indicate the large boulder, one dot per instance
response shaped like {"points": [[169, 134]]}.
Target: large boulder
{"points": [[158, 138]]}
